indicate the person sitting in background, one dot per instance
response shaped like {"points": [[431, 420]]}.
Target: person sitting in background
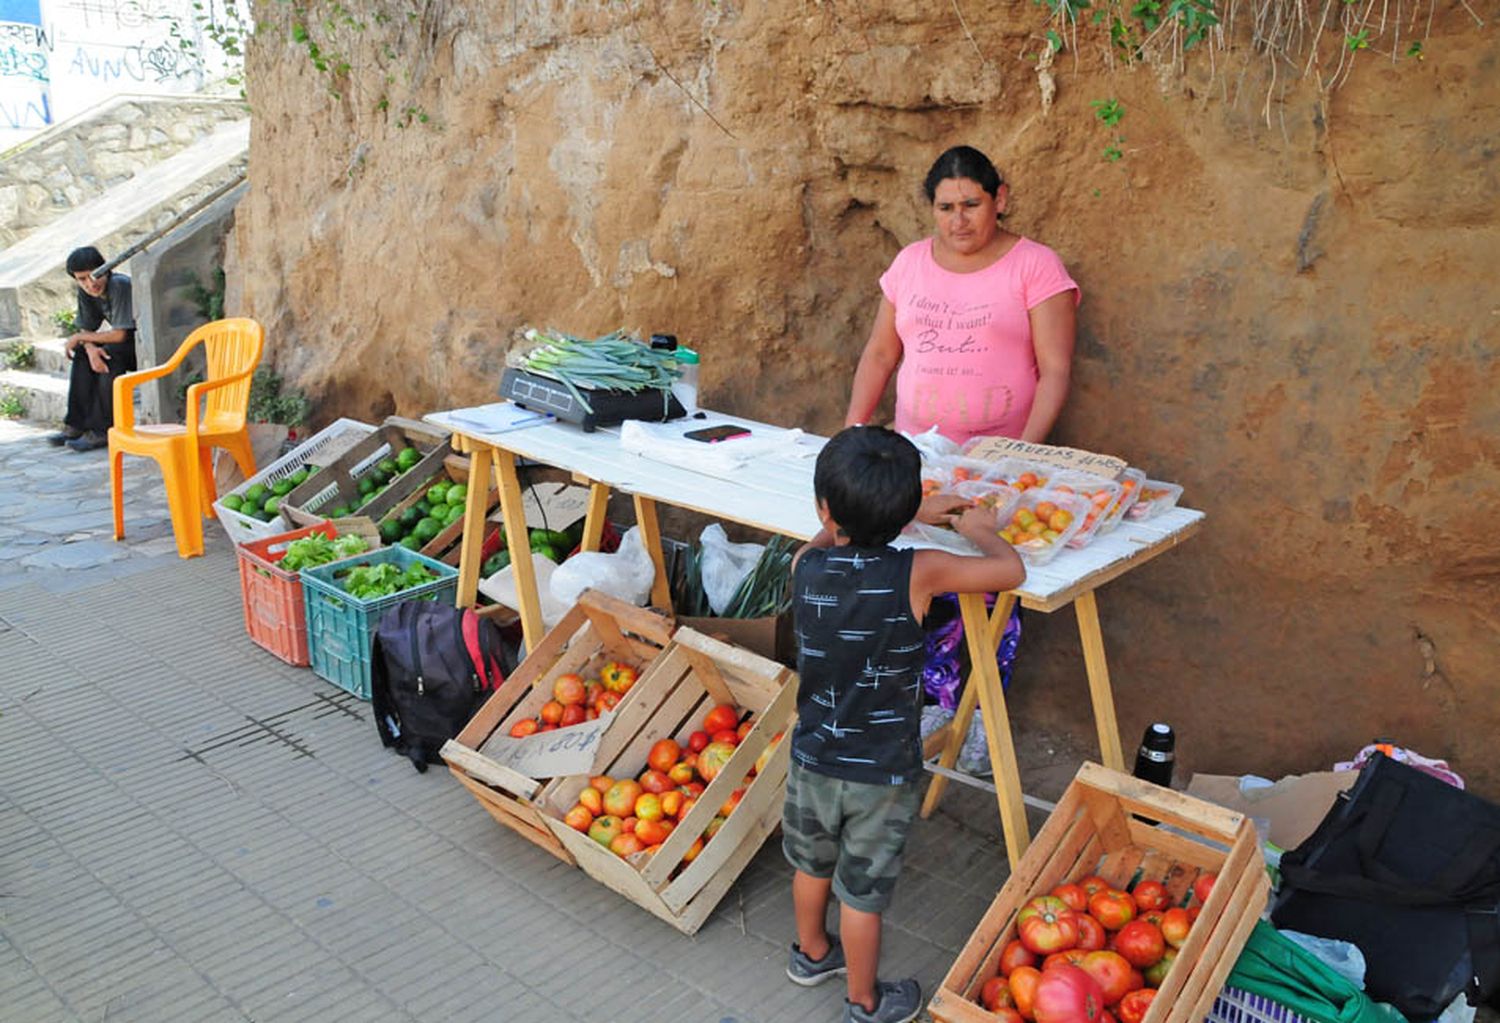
{"points": [[102, 349]]}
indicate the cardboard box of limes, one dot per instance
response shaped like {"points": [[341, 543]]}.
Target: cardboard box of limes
{"points": [[430, 520], [372, 477]]}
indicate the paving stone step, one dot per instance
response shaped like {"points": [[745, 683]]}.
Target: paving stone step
{"points": [[45, 395]]}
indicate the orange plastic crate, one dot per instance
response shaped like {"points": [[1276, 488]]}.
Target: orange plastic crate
{"points": [[274, 614]]}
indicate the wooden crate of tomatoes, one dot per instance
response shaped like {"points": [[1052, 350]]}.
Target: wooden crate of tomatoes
{"points": [[1131, 904], [689, 782], [585, 666]]}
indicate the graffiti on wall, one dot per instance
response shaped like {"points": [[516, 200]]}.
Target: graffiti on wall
{"points": [[60, 57]]}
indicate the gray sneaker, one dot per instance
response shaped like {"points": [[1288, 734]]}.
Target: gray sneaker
{"points": [[974, 754], [900, 1002], [808, 972]]}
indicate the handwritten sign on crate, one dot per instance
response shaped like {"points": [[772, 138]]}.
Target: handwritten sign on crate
{"points": [[992, 449], [550, 754]]}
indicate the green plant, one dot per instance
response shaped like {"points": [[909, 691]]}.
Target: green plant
{"points": [[65, 320], [1357, 41], [1415, 49], [1110, 111], [12, 403], [1113, 152], [20, 355], [1195, 17], [208, 300]]}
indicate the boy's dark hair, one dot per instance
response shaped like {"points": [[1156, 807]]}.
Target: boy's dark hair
{"points": [[871, 480], [963, 162], [86, 258]]}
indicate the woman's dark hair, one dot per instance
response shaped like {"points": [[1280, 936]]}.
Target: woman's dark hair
{"points": [[871, 480], [963, 162], [86, 258]]}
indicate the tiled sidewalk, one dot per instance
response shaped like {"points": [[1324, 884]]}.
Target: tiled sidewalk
{"points": [[192, 830]]}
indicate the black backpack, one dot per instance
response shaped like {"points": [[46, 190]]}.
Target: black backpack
{"points": [[431, 666]]}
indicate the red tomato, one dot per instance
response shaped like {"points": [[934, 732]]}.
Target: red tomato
{"points": [[995, 994], [1065, 994], [1091, 933], [1068, 957], [1134, 1005], [1114, 909], [1023, 981], [551, 712], [1093, 884], [569, 689], [572, 714], [1151, 895], [727, 735], [697, 741], [1156, 973], [1106, 1016], [1008, 1014], [681, 774], [1046, 925], [744, 728], [608, 700], [1193, 912], [724, 716], [713, 758], [1014, 955], [663, 755], [1203, 885], [523, 728], [654, 781], [1110, 971], [1141, 943], [1076, 898], [1137, 980], [1175, 925]]}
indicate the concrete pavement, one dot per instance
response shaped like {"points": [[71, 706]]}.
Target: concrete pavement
{"points": [[192, 830]]}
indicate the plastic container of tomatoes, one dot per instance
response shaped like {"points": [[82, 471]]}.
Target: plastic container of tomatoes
{"points": [[1102, 495], [1156, 496], [1130, 489], [1100, 828], [1060, 514]]}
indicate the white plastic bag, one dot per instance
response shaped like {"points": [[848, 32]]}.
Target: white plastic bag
{"points": [[627, 574], [725, 565], [932, 444]]}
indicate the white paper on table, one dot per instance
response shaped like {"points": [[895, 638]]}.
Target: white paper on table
{"points": [[664, 442], [496, 417]]}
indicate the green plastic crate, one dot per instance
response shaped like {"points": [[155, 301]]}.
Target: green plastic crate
{"points": [[341, 627]]}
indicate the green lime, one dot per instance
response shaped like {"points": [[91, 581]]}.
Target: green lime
{"points": [[300, 476], [453, 514], [423, 508], [457, 493], [388, 466], [273, 505], [233, 502], [411, 543], [407, 457], [255, 493], [380, 476], [427, 529], [366, 485], [411, 517], [437, 494], [339, 512], [390, 531], [281, 488], [266, 516]]}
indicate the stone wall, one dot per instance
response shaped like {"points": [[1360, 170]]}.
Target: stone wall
{"points": [[80, 159], [1288, 303]]}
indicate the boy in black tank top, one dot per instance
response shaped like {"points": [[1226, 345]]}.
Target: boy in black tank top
{"points": [[856, 750]]}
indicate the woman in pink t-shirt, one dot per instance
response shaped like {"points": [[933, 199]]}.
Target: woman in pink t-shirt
{"points": [[977, 323]]}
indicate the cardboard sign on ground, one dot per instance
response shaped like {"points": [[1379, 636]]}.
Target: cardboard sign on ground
{"points": [[1294, 806]]}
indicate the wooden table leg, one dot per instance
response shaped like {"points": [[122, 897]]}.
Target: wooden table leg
{"points": [[598, 513], [645, 518], [1100, 692], [519, 544], [954, 733], [472, 545], [983, 633]]}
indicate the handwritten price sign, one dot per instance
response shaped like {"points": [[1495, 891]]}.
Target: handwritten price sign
{"points": [[565, 751], [992, 449]]}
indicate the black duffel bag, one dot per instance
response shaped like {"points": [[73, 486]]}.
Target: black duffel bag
{"points": [[1406, 867]]}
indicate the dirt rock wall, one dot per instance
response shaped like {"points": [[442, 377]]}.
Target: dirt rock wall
{"points": [[1288, 307]]}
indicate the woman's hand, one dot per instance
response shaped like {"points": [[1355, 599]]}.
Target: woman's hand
{"points": [[940, 509]]}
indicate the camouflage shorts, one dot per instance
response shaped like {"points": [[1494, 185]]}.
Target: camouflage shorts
{"points": [[849, 831]]}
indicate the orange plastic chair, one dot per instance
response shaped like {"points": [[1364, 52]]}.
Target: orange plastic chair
{"points": [[184, 451]]}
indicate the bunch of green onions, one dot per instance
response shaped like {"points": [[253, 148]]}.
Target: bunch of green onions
{"points": [[614, 362]]}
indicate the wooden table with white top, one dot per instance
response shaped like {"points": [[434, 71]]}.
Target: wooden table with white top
{"points": [[775, 493]]}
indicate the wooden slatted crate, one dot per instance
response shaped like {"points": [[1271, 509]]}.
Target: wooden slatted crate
{"points": [[694, 673], [1097, 829], [597, 629], [337, 483]]}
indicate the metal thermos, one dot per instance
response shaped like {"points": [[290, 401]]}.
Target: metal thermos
{"points": [[1154, 760]]}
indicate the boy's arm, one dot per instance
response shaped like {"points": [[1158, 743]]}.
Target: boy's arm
{"points": [[996, 569]]}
